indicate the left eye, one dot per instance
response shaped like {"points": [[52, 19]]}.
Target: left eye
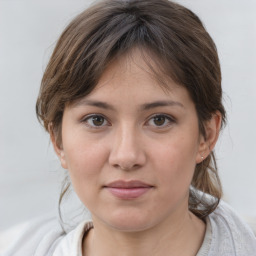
{"points": [[95, 121], [160, 121]]}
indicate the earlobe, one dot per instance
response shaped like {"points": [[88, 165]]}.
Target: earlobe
{"points": [[63, 159], [208, 142], [202, 150], [57, 148]]}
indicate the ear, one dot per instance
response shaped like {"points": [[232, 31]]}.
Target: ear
{"points": [[207, 142], [57, 148]]}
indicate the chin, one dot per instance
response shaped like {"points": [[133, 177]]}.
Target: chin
{"points": [[128, 221]]}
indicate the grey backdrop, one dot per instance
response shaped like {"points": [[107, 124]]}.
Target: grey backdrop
{"points": [[29, 172]]}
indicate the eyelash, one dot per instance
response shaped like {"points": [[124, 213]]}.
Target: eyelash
{"points": [[170, 120], [90, 117]]}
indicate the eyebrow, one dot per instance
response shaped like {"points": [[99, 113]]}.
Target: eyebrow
{"points": [[94, 103], [146, 106], [164, 103]]}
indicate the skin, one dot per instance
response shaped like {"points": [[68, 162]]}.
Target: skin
{"points": [[129, 138]]}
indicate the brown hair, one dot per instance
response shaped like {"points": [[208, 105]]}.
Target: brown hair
{"points": [[175, 38]]}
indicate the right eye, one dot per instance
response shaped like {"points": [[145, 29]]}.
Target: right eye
{"points": [[95, 121]]}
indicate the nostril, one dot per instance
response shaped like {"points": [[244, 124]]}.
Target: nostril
{"points": [[126, 156]]}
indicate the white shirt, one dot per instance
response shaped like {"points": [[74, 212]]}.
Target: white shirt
{"points": [[226, 235]]}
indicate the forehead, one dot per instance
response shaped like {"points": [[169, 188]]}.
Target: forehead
{"points": [[130, 80], [140, 66]]}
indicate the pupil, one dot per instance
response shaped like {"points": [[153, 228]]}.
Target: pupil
{"points": [[97, 120], [159, 120]]}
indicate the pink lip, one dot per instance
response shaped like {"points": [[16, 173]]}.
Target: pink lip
{"points": [[128, 189]]}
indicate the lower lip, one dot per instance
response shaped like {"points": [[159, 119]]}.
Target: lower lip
{"points": [[128, 193]]}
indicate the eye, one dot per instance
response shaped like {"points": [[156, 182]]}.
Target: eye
{"points": [[95, 121], [160, 120]]}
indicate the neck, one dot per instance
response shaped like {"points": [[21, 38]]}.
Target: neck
{"points": [[183, 236]]}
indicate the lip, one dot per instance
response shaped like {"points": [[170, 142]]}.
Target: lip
{"points": [[128, 190]]}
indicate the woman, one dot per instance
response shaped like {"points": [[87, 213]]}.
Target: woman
{"points": [[132, 100]]}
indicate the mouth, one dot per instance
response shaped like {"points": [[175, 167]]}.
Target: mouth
{"points": [[128, 190]]}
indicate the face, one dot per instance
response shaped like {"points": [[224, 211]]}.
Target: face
{"points": [[131, 147]]}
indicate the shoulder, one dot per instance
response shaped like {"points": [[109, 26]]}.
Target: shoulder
{"points": [[45, 237], [230, 234], [35, 237], [71, 244]]}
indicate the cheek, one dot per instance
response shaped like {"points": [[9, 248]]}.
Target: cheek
{"points": [[84, 166], [178, 151], [177, 161], [84, 158]]}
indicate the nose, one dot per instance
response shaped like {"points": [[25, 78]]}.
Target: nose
{"points": [[127, 151]]}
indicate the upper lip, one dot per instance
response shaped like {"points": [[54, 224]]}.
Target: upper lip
{"points": [[128, 184]]}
